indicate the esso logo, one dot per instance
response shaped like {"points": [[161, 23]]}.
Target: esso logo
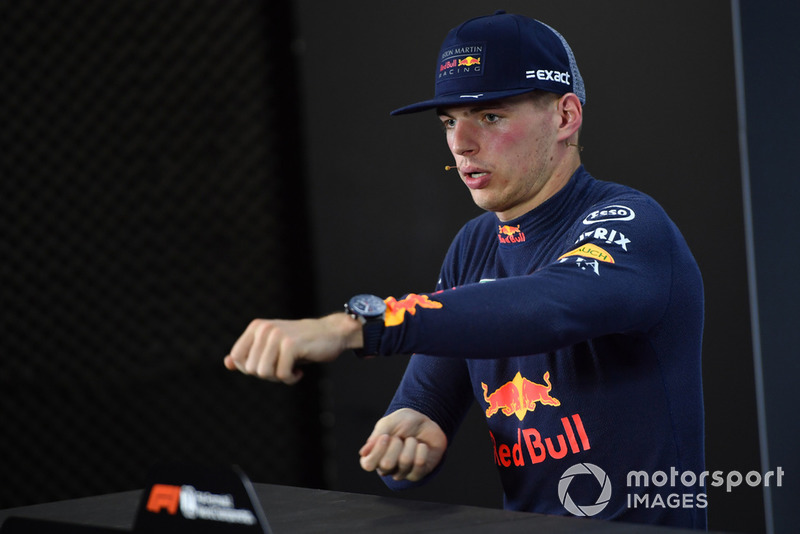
{"points": [[610, 213]]}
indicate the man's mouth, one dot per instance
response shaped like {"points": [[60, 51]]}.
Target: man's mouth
{"points": [[477, 179]]}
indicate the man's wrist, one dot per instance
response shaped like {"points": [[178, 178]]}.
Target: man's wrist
{"points": [[349, 330]]}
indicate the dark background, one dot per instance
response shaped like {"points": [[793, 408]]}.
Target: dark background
{"points": [[171, 170]]}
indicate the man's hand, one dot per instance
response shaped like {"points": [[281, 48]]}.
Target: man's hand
{"points": [[272, 349], [405, 444]]}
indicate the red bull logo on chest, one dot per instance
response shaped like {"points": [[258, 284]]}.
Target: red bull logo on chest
{"points": [[519, 396], [531, 447], [510, 234]]}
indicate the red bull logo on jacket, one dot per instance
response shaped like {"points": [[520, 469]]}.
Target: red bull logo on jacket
{"points": [[519, 396], [531, 447], [510, 234], [396, 309]]}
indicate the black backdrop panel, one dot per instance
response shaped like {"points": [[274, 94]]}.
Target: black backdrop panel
{"points": [[151, 206]]}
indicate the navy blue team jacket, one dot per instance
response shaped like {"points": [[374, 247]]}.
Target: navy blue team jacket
{"points": [[577, 328]]}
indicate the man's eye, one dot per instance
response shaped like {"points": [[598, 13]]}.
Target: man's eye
{"points": [[491, 117], [448, 123]]}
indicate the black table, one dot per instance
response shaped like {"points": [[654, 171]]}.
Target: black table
{"points": [[301, 510]]}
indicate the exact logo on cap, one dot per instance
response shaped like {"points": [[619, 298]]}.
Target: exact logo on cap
{"points": [[546, 75], [461, 60]]}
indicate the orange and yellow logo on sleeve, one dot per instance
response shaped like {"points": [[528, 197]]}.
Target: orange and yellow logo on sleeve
{"points": [[396, 309], [590, 251]]}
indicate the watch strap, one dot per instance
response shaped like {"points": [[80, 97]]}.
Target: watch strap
{"points": [[372, 331]]}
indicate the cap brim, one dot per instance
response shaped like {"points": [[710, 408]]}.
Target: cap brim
{"points": [[460, 100]]}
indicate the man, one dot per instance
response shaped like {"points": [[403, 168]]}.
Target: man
{"points": [[572, 310]]}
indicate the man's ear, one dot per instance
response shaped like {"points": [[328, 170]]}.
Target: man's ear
{"points": [[571, 112]]}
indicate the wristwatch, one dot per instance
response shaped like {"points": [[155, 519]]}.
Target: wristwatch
{"points": [[370, 311]]}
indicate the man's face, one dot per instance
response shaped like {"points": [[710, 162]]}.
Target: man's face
{"points": [[505, 150]]}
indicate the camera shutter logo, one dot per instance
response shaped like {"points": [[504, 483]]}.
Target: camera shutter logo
{"points": [[584, 510]]}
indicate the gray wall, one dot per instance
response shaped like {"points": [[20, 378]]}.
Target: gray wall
{"points": [[661, 117], [769, 80]]}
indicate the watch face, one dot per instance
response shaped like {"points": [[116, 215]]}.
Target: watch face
{"points": [[367, 305]]}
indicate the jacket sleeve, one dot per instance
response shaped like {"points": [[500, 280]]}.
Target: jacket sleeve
{"points": [[594, 286]]}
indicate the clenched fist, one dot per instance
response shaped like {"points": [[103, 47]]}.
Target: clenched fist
{"points": [[272, 349]]}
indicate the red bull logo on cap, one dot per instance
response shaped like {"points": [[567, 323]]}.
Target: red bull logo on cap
{"points": [[469, 61], [510, 234], [461, 60], [519, 396], [396, 309]]}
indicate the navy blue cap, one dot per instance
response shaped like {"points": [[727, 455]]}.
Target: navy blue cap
{"points": [[501, 55]]}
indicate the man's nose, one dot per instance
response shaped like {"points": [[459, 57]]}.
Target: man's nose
{"points": [[463, 141]]}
